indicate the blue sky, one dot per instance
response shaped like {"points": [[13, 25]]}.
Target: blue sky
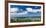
{"points": [[23, 7], [31, 12]]}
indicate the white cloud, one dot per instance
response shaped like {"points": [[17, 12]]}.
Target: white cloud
{"points": [[36, 10], [13, 9], [32, 10], [29, 9], [25, 12]]}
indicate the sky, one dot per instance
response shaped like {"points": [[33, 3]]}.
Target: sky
{"points": [[24, 11], [25, 8]]}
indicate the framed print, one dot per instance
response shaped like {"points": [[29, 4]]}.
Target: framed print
{"points": [[25, 13]]}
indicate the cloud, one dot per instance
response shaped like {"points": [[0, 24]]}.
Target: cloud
{"points": [[32, 10], [18, 14], [13, 9], [36, 10], [25, 12], [29, 9]]}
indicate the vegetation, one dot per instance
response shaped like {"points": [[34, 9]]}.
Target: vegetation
{"points": [[25, 19]]}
